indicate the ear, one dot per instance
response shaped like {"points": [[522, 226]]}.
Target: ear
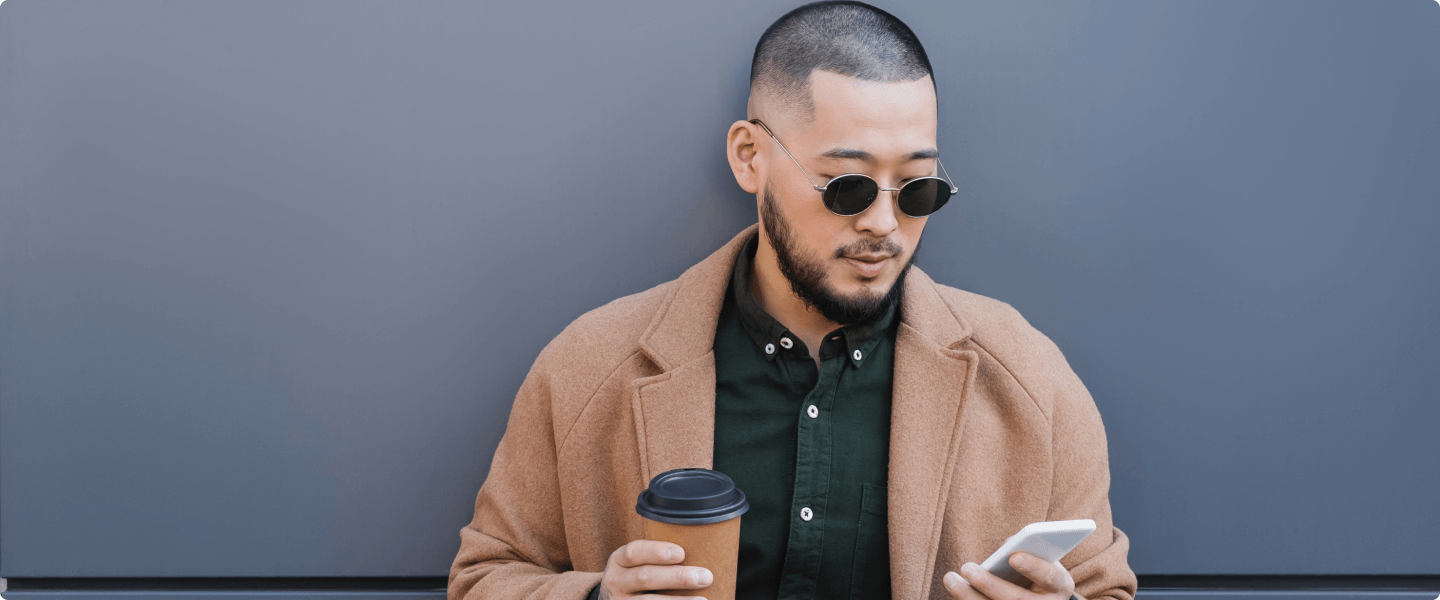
{"points": [[740, 148]]}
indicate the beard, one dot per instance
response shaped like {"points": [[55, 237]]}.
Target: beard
{"points": [[807, 275]]}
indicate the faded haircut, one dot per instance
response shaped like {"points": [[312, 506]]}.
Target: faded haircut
{"points": [[848, 38]]}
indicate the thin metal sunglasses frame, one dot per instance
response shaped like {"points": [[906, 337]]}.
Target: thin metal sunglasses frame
{"points": [[821, 188]]}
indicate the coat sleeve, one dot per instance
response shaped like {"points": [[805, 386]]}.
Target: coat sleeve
{"points": [[1081, 490], [515, 546]]}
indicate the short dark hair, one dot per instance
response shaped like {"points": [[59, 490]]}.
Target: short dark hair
{"points": [[845, 37]]}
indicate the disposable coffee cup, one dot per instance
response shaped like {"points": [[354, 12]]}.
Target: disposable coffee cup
{"points": [[698, 510]]}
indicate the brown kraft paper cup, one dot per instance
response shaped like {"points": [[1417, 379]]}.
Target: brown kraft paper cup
{"points": [[698, 510], [715, 546]]}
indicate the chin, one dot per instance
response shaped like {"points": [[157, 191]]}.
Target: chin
{"points": [[854, 286]]}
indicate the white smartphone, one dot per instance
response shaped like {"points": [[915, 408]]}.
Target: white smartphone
{"points": [[1048, 540]]}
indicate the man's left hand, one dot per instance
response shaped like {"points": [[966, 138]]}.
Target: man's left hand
{"points": [[1050, 581]]}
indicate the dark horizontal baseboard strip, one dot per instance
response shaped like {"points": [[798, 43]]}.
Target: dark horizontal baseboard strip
{"points": [[1292, 582], [224, 584], [1152, 587]]}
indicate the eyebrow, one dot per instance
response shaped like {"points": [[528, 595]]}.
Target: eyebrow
{"points": [[852, 154]]}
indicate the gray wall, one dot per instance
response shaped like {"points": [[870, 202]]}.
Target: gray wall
{"points": [[272, 271]]}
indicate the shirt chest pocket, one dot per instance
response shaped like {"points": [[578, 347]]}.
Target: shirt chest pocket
{"points": [[870, 571]]}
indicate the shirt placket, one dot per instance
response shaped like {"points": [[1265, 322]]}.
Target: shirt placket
{"points": [[801, 569]]}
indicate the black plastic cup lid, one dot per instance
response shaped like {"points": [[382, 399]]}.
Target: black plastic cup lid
{"points": [[691, 497]]}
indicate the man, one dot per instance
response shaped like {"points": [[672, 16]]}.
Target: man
{"points": [[888, 431]]}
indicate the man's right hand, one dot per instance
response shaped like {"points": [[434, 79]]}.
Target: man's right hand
{"points": [[648, 566]]}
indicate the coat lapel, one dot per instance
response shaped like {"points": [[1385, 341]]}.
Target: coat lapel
{"points": [[675, 415], [675, 410], [932, 379]]}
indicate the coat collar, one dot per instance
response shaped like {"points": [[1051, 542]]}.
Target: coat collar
{"points": [[684, 328], [675, 410]]}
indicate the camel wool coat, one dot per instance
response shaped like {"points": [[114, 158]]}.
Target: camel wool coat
{"points": [[990, 431]]}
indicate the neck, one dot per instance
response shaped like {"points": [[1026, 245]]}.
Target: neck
{"points": [[772, 290]]}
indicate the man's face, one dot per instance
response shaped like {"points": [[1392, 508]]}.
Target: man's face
{"points": [[848, 263]]}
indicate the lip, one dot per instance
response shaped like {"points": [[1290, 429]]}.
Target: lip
{"points": [[868, 265]]}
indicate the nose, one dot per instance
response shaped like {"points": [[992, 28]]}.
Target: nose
{"points": [[878, 219]]}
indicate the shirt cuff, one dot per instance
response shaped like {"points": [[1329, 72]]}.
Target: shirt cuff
{"points": [[595, 593]]}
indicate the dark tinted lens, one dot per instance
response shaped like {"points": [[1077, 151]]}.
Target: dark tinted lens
{"points": [[850, 194], [923, 196]]}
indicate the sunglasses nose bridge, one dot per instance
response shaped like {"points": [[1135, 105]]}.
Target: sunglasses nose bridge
{"points": [[876, 198]]}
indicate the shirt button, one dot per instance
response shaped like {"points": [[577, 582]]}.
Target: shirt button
{"points": [[769, 348], [806, 514], [786, 343], [812, 411], [857, 355]]}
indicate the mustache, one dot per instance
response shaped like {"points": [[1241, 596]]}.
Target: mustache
{"points": [[870, 246]]}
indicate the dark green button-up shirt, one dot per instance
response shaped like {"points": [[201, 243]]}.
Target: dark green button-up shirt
{"points": [[809, 445]]}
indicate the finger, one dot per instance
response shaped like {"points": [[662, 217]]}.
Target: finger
{"points": [[960, 589], [648, 552], [1047, 576], [650, 578], [993, 587]]}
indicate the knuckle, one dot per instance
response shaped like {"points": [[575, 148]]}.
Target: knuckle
{"points": [[645, 578], [631, 554], [965, 592], [1063, 580]]}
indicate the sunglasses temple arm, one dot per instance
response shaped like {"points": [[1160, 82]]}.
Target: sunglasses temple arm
{"points": [[953, 188], [787, 153]]}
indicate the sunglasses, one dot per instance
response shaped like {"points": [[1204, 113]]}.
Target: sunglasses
{"points": [[850, 194]]}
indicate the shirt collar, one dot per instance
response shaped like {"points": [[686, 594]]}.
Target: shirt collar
{"points": [[772, 338]]}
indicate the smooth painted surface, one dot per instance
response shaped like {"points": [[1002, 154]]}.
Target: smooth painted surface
{"points": [[271, 272]]}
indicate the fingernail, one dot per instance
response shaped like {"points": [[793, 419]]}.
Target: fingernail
{"points": [[703, 577], [952, 580], [971, 570], [1021, 562], [672, 554]]}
